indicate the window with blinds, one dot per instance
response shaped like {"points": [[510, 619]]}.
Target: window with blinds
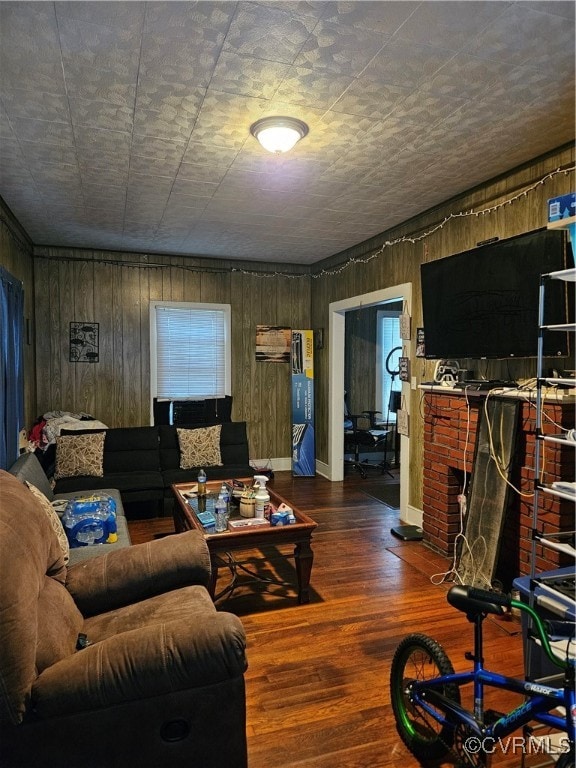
{"points": [[388, 339], [190, 355]]}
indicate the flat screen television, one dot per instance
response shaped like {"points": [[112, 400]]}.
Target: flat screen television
{"points": [[483, 303]]}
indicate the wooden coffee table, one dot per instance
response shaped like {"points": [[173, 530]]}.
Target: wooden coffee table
{"points": [[221, 545]]}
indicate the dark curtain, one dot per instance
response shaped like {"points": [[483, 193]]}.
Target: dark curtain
{"points": [[11, 366]]}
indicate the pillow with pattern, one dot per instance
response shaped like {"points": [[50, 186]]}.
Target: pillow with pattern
{"points": [[200, 447], [54, 520], [80, 455]]}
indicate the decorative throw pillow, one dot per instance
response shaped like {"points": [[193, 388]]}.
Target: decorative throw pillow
{"points": [[80, 455], [200, 447], [54, 520]]}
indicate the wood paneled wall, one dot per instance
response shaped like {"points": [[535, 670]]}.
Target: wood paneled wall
{"points": [[115, 289], [529, 187]]}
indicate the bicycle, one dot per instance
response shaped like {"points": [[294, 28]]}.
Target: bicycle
{"points": [[425, 690]]}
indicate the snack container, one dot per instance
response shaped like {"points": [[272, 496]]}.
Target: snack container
{"points": [[280, 518]]}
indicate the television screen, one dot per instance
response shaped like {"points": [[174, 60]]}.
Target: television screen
{"points": [[483, 303]]}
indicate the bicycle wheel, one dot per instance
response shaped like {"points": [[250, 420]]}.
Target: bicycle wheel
{"points": [[419, 657], [566, 761]]}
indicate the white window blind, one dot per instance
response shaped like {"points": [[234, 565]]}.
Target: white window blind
{"points": [[192, 350], [388, 339]]}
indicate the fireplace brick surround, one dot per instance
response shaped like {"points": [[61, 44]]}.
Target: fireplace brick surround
{"points": [[450, 423]]}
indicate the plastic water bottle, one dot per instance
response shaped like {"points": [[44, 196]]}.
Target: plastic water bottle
{"points": [[226, 496], [221, 514], [90, 520], [89, 532], [111, 521], [85, 527], [201, 483]]}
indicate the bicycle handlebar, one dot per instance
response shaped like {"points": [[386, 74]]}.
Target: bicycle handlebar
{"points": [[539, 628], [490, 597]]}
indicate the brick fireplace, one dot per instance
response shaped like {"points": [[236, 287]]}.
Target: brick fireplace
{"points": [[450, 424]]}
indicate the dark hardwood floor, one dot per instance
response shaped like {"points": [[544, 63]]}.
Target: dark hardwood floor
{"points": [[318, 676]]}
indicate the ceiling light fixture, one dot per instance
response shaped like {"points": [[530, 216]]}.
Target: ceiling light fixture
{"points": [[278, 134]]}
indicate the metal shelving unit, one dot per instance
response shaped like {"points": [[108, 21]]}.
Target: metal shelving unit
{"points": [[555, 540], [550, 541]]}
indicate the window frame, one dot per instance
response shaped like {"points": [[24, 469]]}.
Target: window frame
{"points": [[190, 306], [383, 315]]}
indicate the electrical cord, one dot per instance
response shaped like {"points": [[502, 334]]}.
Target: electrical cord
{"points": [[501, 464], [462, 505], [466, 442]]}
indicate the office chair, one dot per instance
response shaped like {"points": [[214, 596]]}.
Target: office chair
{"points": [[394, 405], [356, 438]]}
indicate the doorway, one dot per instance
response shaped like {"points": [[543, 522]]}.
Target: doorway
{"points": [[337, 315]]}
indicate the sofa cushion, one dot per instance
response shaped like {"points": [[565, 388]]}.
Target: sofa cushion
{"points": [[133, 486], [200, 447], [158, 646], [234, 444], [55, 521], [28, 467], [80, 455], [139, 572], [169, 448], [233, 447], [59, 622], [129, 449]]}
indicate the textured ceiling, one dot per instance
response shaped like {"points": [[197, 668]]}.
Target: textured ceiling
{"points": [[125, 125]]}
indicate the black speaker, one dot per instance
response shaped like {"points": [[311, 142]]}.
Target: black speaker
{"points": [[161, 410], [395, 401]]}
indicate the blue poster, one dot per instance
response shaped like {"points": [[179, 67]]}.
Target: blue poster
{"points": [[303, 438]]}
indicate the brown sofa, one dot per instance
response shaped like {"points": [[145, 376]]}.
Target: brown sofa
{"points": [[159, 681]]}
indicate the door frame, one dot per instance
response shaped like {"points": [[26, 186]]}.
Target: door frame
{"points": [[337, 312]]}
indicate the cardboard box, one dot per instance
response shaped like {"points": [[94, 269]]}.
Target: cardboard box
{"points": [[563, 207], [303, 436], [207, 521]]}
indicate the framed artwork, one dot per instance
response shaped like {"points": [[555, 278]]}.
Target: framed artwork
{"points": [[420, 343], [84, 342], [273, 343], [404, 369]]}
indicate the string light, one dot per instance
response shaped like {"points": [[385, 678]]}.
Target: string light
{"points": [[412, 239]]}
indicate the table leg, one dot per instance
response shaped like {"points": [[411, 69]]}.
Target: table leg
{"points": [[213, 575], [303, 557]]}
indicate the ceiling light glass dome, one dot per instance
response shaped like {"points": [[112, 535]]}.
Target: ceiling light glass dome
{"points": [[278, 134]]}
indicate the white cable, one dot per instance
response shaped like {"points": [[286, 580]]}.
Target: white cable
{"points": [[496, 459], [462, 510]]}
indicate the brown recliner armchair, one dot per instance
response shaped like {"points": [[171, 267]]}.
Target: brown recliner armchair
{"points": [[160, 679]]}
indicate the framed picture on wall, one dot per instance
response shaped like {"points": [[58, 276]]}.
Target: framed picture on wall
{"points": [[84, 342], [273, 343], [404, 372], [420, 343]]}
